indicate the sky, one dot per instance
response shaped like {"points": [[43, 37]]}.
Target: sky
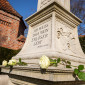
{"points": [[25, 8]]}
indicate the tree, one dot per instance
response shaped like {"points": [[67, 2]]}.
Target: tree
{"points": [[78, 8]]}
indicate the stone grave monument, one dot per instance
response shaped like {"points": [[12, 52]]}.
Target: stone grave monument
{"points": [[52, 32]]}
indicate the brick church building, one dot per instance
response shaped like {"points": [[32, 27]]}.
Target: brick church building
{"points": [[11, 27]]}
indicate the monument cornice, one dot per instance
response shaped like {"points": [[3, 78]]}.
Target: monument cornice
{"points": [[60, 11]]}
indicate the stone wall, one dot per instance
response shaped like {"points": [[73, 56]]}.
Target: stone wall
{"points": [[10, 30]]}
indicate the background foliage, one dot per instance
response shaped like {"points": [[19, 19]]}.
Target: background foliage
{"points": [[6, 54], [82, 42], [78, 9]]}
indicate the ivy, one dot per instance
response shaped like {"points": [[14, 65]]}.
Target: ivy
{"points": [[81, 76], [78, 70], [81, 67], [68, 66], [68, 62]]}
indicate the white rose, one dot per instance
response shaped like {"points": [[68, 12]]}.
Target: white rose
{"points": [[12, 62], [4, 63], [44, 62]]}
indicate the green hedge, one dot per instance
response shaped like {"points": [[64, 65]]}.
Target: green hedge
{"points": [[82, 42], [6, 54]]}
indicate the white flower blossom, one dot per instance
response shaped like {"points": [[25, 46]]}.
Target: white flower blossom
{"points": [[4, 63], [12, 62], [44, 62]]}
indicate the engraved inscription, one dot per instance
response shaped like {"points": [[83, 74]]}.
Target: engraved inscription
{"points": [[40, 35]]}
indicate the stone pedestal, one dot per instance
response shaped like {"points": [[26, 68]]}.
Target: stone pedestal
{"points": [[52, 32], [32, 76]]}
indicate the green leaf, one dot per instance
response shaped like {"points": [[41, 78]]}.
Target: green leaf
{"points": [[21, 63], [68, 66], [81, 76], [7, 66], [69, 62], [76, 71], [64, 60], [20, 60], [55, 64], [24, 64], [81, 67], [51, 60], [54, 60], [58, 60]]}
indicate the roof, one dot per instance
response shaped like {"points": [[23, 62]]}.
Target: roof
{"points": [[21, 38], [81, 35], [5, 5]]}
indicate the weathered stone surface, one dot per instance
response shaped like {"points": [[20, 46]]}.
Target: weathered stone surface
{"points": [[52, 32], [43, 3], [28, 76], [4, 80]]}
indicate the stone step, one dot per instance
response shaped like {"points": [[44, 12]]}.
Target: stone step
{"points": [[4, 80]]}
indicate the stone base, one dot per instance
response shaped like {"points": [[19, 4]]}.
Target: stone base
{"points": [[28, 76], [4, 80]]}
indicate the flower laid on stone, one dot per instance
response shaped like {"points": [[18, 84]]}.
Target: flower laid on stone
{"points": [[12, 62], [44, 62], [4, 63]]}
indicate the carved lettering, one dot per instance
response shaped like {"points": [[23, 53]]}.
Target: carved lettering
{"points": [[40, 34]]}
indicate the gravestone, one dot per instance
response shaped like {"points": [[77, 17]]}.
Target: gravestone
{"points": [[52, 32]]}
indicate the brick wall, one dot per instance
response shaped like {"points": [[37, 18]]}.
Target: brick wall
{"points": [[9, 31]]}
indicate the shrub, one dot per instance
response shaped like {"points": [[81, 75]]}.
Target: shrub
{"points": [[82, 42], [6, 54]]}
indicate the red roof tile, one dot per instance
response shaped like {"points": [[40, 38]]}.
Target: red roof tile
{"points": [[81, 35], [5, 5]]}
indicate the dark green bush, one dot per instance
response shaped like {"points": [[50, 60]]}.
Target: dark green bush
{"points": [[6, 54], [82, 42]]}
